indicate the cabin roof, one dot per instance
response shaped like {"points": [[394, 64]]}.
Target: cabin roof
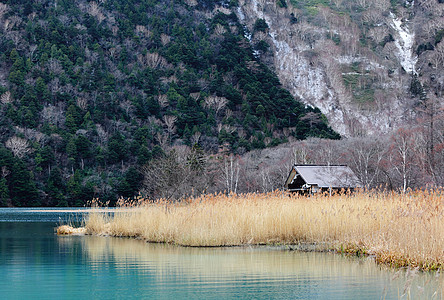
{"points": [[326, 176]]}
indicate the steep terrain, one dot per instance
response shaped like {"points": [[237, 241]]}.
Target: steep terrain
{"points": [[366, 64], [91, 91]]}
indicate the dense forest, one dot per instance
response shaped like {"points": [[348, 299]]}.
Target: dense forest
{"points": [[94, 92]]}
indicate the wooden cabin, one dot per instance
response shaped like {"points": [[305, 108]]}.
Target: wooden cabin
{"points": [[316, 178]]}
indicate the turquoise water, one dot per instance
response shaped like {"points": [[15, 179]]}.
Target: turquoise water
{"points": [[37, 264]]}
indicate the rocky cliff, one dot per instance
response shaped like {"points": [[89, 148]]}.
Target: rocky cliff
{"points": [[364, 64]]}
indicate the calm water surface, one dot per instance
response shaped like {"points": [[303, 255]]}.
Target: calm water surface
{"points": [[37, 264]]}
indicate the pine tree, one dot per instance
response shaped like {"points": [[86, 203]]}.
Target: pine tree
{"points": [[4, 192]]}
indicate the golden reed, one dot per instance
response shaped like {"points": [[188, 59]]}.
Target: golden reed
{"points": [[397, 229]]}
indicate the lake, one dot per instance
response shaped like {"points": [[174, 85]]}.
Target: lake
{"points": [[35, 263]]}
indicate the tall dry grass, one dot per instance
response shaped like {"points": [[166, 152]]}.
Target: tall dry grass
{"points": [[398, 229]]}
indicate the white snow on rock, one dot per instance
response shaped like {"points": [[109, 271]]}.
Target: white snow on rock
{"points": [[404, 42], [306, 82], [318, 81]]}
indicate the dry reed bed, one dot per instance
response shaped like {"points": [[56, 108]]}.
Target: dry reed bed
{"points": [[398, 229]]}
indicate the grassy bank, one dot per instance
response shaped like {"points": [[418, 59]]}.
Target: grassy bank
{"points": [[399, 230]]}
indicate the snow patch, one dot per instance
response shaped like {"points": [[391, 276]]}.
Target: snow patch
{"points": [[240, 14], [312, 82], [404, 42], [305, 81]]}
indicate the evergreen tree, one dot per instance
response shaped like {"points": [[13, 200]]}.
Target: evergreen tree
{"points": [[4, 192], [23, 190], [94, 100], [117, 148]]}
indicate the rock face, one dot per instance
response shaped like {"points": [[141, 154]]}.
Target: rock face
{"points": [[357, 68]]}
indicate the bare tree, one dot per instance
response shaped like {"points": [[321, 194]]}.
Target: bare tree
{"points": [[230, 172], [195, 96], [326, 151], [191, 2], [170, 123], [102, 135], [195, 138], [143, 31], [378, 33], [128, 107], [381, 4], [54, 86], [177, 175], [438, 55], [163, 101], [82, 103], [95, 11], [365, 156], [54, 66], [221, 9], [114, 30], [32, 49], [402, 156], [431, 121], [300, 154], [428, 4], [431, 27], [153, 60], [17, 38], [53, 115], [217, 103], [91, 56], [4, 172], [19, 146], [165, 39], [3, 9], [6, 97], [219, 30], [15, 21], [363, 3], [162, 138], [228, 128]]}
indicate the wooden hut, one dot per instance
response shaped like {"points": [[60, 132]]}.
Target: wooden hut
{"points": [[316, 178]]}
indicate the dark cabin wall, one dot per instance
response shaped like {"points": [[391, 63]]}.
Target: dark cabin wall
{"points": [[297, 183]]}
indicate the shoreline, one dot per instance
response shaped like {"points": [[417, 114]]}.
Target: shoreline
{"points": [[396, 230], [321, 247]]}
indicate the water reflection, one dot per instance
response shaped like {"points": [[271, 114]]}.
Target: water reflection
{"points": [[61, 215], [37, 264], [252, 272]]}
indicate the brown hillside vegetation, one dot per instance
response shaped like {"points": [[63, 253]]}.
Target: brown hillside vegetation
{"points": [[397, 229]]}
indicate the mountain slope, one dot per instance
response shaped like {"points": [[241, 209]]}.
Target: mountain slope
{"points": [[366, 64], [91, 90]]}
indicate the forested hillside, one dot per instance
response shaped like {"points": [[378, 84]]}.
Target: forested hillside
{"points": [[92, 91]]}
